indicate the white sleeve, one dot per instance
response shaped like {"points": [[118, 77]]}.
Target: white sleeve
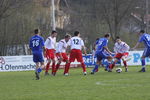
{"points": [[47, 42], [115, 48], [69, 43], [82, 43], [59, 47]]}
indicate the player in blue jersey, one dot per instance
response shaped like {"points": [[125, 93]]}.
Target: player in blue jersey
{"points": [[102, 51], [145, 38], [37, 45]]}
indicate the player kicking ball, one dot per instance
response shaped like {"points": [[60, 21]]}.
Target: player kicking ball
{"points": [[61, 52], [37, 45], [145, 38], [102, 52], [121, 53], [76, 44]]}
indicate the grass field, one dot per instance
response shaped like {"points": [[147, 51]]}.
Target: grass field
{"points": [[130, 85]]}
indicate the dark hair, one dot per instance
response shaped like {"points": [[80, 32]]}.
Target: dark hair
{"points": [[117, 37], [142, 31], [53, 32], [36, 31], [76, 33], [67, 36], [106, 35]]}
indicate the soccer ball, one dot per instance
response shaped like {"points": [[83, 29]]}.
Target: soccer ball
{"points": [[118, 70]]}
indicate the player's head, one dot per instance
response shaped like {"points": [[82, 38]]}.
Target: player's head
{"points": [[76, 33], [36, 31], [67, 37], [53, 33], [118, 39], [142, 31], [107, 36]]}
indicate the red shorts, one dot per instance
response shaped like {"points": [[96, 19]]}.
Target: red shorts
{"points": [[120, 55], [64, 56], [76, 54], [50, 53]]}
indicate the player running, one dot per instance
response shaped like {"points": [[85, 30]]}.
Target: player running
{"points": [[102, 52], [50, 45], [37, 45], [121, 52], [145, 38], [61, 52], [76, 44]]}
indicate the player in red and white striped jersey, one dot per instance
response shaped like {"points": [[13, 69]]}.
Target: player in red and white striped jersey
{"points": [[50, 45], [121, 50], [76, 44], [61, 52]]}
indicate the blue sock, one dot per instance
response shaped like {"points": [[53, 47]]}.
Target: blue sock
{"points": [[95, 68], [39, 70], [143, 62], [108, 63]]}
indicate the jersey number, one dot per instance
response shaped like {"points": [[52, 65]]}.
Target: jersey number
{"points": [[35, 43], [76, 41]]}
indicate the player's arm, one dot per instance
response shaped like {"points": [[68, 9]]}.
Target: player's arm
{"points": [[106, 48], [84, 50], [83, 47], [137, 44]]}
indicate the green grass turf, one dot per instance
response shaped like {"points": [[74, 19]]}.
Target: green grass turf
{"points": [[130, 85]]}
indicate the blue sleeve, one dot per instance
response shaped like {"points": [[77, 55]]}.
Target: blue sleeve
{"points": [[141, 39], [42, 42], [96, 42], [30, 43], [105, 43]]}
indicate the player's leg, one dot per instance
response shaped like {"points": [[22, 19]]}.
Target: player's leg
{"points": [[146, 53], [117, 57], [71, 59], [47, 66], [125, 55], [48, 56], [143, 64], [98, 62], [80, 59], [37, 71]]}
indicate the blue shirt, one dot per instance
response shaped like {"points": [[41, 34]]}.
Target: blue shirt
{"points": [[100, 44], [145, 38], [36, 43]]}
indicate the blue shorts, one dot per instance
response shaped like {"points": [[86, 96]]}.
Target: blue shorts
{"points": [[38, 57], [146, 52], [101, 55]]}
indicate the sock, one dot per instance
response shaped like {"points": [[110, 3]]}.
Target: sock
{"points": [[111, 66], [53, 67], [108, 64], [143, 63], [95, 68], [57, 67], [67, 66], [125, 64], [83, 67], [39, 70], [47, 67]]}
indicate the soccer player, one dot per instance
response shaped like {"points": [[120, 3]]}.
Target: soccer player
{"points": [[61, 52], [145, 38], [37, 45], [76, 44], [102, 52], [50, 45], [121, 52]]}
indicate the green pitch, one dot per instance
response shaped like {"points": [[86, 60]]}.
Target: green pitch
{"points": [[130, 85]]}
